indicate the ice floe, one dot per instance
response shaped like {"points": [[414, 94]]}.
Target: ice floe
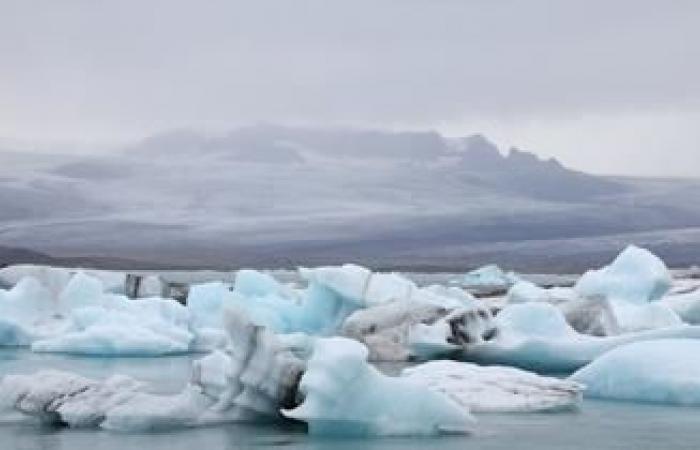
{"points": [[536, 336], [661, 371], [492, 389]]}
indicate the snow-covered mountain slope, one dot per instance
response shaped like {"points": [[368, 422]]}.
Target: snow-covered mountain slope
{"points": [[259, 192]]}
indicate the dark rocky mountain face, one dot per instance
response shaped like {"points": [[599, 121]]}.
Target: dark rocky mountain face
{"points": [[259, 192]]}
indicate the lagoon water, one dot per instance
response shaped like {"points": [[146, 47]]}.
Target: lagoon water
{"points": [[597, 425]]}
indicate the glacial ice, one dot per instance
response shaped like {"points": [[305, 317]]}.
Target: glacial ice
{"points": [[83, 318], [687, 306], [635, 276], [55, 279], [344, 395], [490, 276], [525, 291], [145, 327], [500, 389], [385, 328], [271, 356], [325, 381], [619, 298], [61, 397], [660, 371], [536, 336], [632, 284]]}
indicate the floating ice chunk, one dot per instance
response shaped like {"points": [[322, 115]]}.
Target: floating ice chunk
{"points": [[636, 275], [359, 285], [251, 283], [632, 317], [456, 332], [687, 306], [661, 371], [67, 398], [592, 315], [494, 388], [27, 311], [536, 336], [490, 276], [344, 395], [55, 279], [252, 380], [82, 290], [149, 412], [144, 327], [526, 291], [349, 281], [385, 328], [444, 297], [206, 302]]}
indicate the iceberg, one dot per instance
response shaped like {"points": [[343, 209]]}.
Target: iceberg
{"points": [[490, 278], [536, 336], [147, 327], [326, 382], [494, 389], [59, 397], [632, 284], [660, 371], [55, 279], [385, 328], [460, 330], [526, 291], [344, 395], [594, 316], [687, 306], [83, 318], [635, 276]]}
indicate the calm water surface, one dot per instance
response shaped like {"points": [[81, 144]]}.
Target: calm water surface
{"points": [[598, 425]]}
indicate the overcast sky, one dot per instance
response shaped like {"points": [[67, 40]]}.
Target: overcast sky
{"points": [[606, 86]]}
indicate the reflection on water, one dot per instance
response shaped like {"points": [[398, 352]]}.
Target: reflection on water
{"points": [[598, 425]]}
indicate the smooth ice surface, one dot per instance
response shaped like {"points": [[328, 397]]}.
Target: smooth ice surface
{"points": [[636, 276], [687, 306], [496, 388], [663, 371], [344, 395], [536, 336]]}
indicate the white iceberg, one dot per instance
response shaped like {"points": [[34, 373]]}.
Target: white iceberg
{"points": [[490, 389], [661, 371]]}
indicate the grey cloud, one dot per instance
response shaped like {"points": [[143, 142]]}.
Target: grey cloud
{"points": [[112, 69]]}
